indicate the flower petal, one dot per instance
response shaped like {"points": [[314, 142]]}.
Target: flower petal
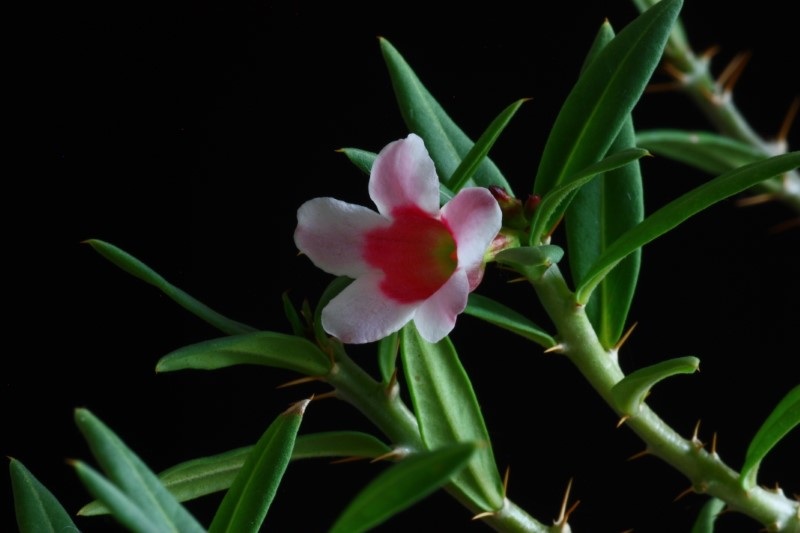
{"points": [[361, 313], [436, 317], [403, 175], [332, 233], [474, 217]]}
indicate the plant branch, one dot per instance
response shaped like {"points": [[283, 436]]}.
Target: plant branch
{"points": [[714, 97], [707, 473], [387, 411]]}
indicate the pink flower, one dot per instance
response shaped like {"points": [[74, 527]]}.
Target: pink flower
{"points": [[410, 260]]}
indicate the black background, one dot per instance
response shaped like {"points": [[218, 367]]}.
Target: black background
{"points": [[189, 135]]}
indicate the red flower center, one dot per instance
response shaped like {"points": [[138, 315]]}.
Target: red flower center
{"points": [[417, 254]]}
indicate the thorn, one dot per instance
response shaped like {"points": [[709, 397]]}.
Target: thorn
{"points": [[622, 420], [714, 445], [505, 482], [392, 381], [639, 455], [517, 280], [553, 229], [558, 348], [397, 453], [783, 133], [755, 199], [625, 337], [784, 226], [326, 395], [675, 72], [664, 87], [484, 514], [733, 71], [683, 493], [563, 516], [696, 442], [710, 52], [299, 381]]}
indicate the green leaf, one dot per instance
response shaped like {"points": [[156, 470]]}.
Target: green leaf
{"points": [[423, 115], [781, 421], [402, 485], [292, 316], [38, 511], [558, 199], [709, 152], [262, 348], [602, 99], [331, 291], [531, 261], [675, 212], [206, 475], [387, 355], [124, 508], [632, 390], [360, 158], [469, 165], [498, 314], [601, 211], [448, 412], [364, 160], [136, 268], [132, 491], [708, 515], [247, 501]]}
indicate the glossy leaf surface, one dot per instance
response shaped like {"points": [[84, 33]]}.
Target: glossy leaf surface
{"points": [[37, 510], [502, 316]]}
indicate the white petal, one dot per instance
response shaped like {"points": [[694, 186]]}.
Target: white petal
{"points": [[436, 317], [403, 175], [361, 313], [331, 233], [474, 218]]}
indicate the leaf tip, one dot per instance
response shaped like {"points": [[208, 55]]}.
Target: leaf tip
{"points": [[298, 408]]}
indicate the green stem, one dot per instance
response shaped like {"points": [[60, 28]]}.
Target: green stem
{"points": [[387, 411], [707, 473]]}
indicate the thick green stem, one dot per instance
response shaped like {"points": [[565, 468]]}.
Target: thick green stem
{"points": [[707, 473], [387, 411]]}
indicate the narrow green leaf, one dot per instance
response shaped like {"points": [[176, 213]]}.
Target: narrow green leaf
{"points": [[469, 165], [360, 158], [602, 99], [448, 412], [387, 355], [781, 421], [672, 214], [125, 509], [707, 516], [631, 391], [423, 115], [262, 348], [402, 485], [531, 261], [498, 314], [136, 268], [38, 511], [364, 160], [331, 291], [134, 480], [206, 475], [556, 202], [601, 211], [709, 152], [247, 501], [292, 316]]}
